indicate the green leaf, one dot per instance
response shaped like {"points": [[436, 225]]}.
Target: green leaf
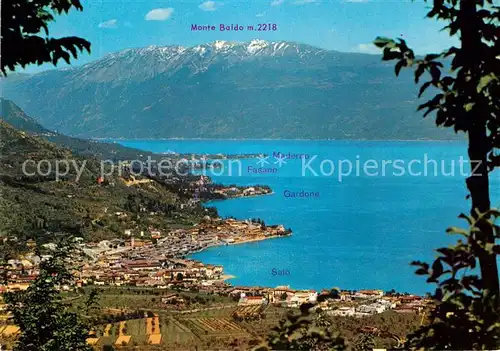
{"points": [[447, 81], [489, 248], [432, 57], [389, 55], [421, 271], [398, 67], [437, 268], [419, 71], [485, 81], [423, 88], [455, 230], [468, 107], [435, 73], [382, 42]]}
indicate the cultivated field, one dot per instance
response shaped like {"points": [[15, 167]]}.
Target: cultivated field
{"points": [[217, 327]]}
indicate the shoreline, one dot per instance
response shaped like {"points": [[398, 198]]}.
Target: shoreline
{"points": [[273, 139], [239, 197], [258, 239], [227, 277], [248, 241]]}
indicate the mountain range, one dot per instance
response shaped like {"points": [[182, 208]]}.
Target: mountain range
{"points": [[257, 89]]}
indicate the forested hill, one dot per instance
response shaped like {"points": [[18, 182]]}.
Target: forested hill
{"points": [[15, 116], [37, 201]]}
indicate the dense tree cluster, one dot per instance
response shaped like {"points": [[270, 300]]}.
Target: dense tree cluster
{"points": [[45, 321], [25, 33]]}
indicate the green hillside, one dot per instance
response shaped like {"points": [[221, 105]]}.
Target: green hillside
{"points": [[36, 204]]}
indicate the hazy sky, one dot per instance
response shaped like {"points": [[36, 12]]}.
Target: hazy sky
{"points": [[344, 25]]}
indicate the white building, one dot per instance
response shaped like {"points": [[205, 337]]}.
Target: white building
{"points": [[373, 308], [343, 311]]}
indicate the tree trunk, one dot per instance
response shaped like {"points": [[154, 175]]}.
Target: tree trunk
{"points": [[479, 145], [478, 185]]}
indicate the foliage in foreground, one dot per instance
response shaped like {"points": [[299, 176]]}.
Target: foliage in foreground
{"points": [[46, 323], [466, 98], [23, 43], [302, 332], [466, 316]]}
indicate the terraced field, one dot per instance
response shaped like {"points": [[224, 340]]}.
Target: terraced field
{"points": [[247, 311], [175, 333], [219, 327], [269, 320]]}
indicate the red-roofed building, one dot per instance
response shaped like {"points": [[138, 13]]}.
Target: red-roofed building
{"points": [[251, 300]]}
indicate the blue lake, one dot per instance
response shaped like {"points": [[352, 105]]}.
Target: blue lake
{"points": [[361, 230]]}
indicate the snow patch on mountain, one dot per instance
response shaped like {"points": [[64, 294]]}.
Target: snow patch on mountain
{"points": [[256, 45], [141, 64]]}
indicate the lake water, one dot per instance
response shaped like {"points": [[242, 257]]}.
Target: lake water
{"points": [[357, 231]]}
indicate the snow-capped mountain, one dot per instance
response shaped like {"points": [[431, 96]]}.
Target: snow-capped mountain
{"points": [[143, 63], [240, 50], [223, 89], [256, 47]]}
